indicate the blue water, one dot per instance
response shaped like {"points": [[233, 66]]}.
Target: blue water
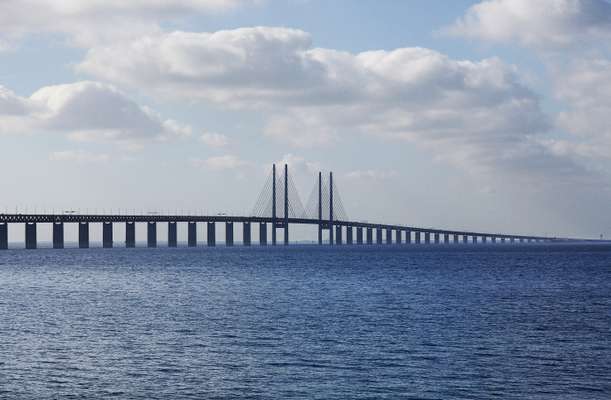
{"points": [[306, 323]]}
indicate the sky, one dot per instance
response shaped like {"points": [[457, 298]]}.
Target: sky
{"points": [[487, 115]]}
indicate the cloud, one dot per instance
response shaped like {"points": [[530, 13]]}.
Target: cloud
{"points": [[214, 139], [540, 23], [572, 39], [85, 111], [79, 156], [98, 21], [372, 174], [469, 112], [219, 163]]}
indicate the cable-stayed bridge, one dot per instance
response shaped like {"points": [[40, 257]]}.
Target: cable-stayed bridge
{"points": [[277, 208]]}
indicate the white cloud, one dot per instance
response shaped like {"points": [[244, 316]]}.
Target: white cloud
{"points": [[572, 39], [214, 139], [372, 174], [85, 111], [219, 163], [538, 23], [464, 111], [79, 156], [97, 21]]}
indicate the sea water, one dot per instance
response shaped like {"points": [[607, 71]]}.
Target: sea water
{"points": [[306, 322]]}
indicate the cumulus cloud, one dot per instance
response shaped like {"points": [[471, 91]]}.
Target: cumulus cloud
{"points": [[214, 139], [466, 111], [97, 21], [540, 23], [79, 156], [372, 174], [219, 163], [85, 111], [572, 39]]}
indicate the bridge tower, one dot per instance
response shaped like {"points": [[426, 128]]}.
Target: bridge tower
{"points": [[331, 208], [274, 222]]}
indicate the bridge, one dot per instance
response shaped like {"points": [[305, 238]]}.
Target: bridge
{"points": [[323, 209]]}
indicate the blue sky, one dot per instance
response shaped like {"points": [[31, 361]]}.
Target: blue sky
{"points": [[490, 115]]}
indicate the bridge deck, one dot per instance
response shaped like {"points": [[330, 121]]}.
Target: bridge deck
{"points": [[115, 218]]}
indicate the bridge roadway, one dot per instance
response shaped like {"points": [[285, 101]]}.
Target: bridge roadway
{"points": [[394, 234]]}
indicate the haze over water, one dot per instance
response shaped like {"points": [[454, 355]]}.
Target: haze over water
{"points": [[306, 322]]}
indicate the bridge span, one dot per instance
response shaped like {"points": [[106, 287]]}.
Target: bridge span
{"points": [[325, 204]]}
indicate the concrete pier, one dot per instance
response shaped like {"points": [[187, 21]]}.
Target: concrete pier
{"points": [[83, 235], [446, 238], [151, 234], [130, 234], [263, 234], [30, 235], [3, 236], [408, 237], [338, 234], [211, 237], [229, 234], [398, 238], [484, 239], [107, 235], [349, 233], [465, 239], [379, 239], [246, 234], [172, 234], [418, 237], [192, 234], [369, 235], [58, 235], [388, 236], [427, 238], [359, 235], [474, 239], [456, 239], [436, 235]]}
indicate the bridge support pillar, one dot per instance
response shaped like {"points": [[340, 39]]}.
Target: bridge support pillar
{"points": [[388, 236], [446, 238], [151, 234], [436, 235], [228, 234], [512, 240], [484, 239], [408, 237], [130, 234], [503, 240], [349, 232], [427, 237], [30, 235], [211, 234], [465, 239], [262, 234], [398, 239], [369, 235], [418, 237], [172, 234], [379, 239], [58, 235], [107, 235], [246, 234], [338, 235], [192, 234], [83, 235], [474, 239], [493, 239], [359, 235], [456, 239], [3, 236]]}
